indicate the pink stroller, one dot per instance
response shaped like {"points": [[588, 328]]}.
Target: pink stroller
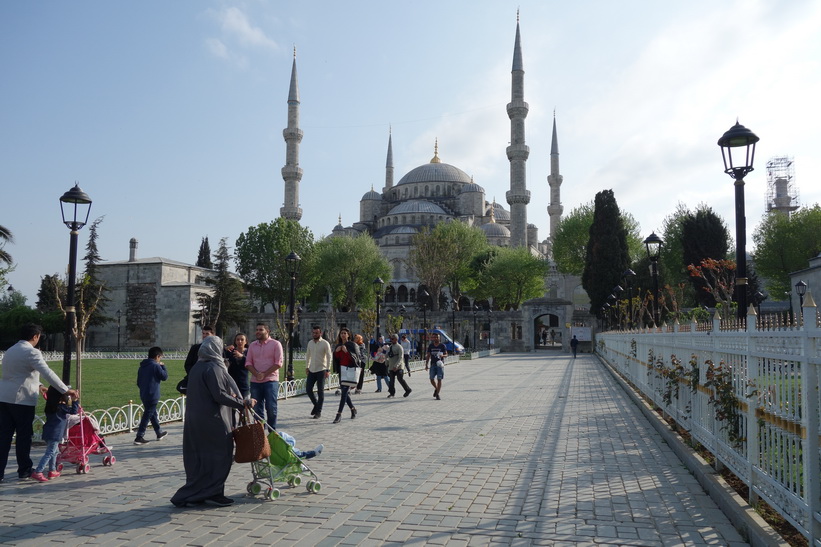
{"points": [[83, 439]]}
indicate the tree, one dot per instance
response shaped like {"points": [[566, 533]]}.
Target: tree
{"points": [[671, 258], [704, 235], [260, 258], [512, 276], [11, 300], [607, 255], [718, 278], [467, 241], [785, 244], [227, 305], [573, 233], [204, 255], [5, 237], [51, 293], [570, 240], [344, 268]]}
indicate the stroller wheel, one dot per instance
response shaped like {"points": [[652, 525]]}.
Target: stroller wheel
{"points": [[59, 467], [255, 488], [86, 468], [107, 461], [272, 494], [296, 480], [314, 487]]}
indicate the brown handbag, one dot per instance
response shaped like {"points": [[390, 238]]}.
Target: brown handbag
{"points": [[250, 439]]}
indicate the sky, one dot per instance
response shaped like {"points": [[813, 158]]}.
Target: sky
{"points": [[169, 115]]}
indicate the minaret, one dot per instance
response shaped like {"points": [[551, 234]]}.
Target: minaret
{"points": [[292, 172], [389, 164], [554, 179], [518, 196]]}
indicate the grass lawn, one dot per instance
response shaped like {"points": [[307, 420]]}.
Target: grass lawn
{"points": [[109, 383]]}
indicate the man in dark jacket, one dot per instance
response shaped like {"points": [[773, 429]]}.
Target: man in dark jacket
{"points": [[151, 372]]}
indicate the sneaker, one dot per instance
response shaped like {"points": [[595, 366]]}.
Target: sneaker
{"points": [[140, 441], [219, 501], [317, 415], [37, 476], [53, 474], [319, 449], [408, 392], [161, 435], [437, 397]]}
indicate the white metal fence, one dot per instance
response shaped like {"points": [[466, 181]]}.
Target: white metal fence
{"points": [[750, 396]]}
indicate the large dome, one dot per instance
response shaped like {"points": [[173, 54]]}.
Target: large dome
{"points": [[491, 229], [435, 172]]}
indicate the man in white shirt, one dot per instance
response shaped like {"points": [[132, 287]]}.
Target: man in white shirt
{"points": [[406, 348], [318, 362], [19, 387]]}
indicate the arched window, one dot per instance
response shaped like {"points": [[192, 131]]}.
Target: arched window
{"points": [[412, 295], [390, 294], [427, 190], [402, 294], [437, 190], [415, 191]]}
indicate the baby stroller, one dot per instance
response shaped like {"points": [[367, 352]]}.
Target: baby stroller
{"points": [[283, 466], [83, 440]]}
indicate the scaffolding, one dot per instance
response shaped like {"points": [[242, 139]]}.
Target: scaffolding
{"points": [[782, 192]]}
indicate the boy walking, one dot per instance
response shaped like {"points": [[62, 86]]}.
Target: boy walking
{"points": [[151, 372]]}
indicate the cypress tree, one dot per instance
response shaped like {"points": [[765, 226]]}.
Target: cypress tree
{"points": [[607, 254]]}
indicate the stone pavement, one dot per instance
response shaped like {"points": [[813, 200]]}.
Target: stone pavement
{"points": [[523, 449]]}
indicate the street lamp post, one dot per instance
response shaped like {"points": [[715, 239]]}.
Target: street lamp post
{"points": [[119, 315], [377, 287], [629, 275], [788, 294], [617, 290], [79, 208], [453, 304], [801, 290], [489, 327], [422, 297], [292, 265], [653, 244], [739, 136]]}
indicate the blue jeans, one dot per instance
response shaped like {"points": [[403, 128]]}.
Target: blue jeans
{"points": [[266, 394], [316, 379], [20, 419], [149, 414], [50, 457], [379, 382]]}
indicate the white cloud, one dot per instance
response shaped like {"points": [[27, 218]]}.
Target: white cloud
{"points": [[217, 48], [235, 23]]}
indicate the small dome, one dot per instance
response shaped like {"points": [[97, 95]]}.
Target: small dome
{"points": [[532, 226], [499, 212], [417, 206], [372, 195], [403, 230], [491, 229], [472, 187]]}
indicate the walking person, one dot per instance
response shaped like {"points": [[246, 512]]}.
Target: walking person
{"points": [[264, 359], [19, 387], [151, 372], [406, 351], [435, 355], [207, 440], [363, 358], [318, 359], [574, 345], [345, 355], [379, 368], [235, 355], [58, 407], [395, 372]]}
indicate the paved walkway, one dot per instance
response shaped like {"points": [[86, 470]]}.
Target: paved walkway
{"points": [[523, 449]]}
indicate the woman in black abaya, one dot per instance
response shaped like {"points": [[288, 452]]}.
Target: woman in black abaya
{"points": [[207, 442]]}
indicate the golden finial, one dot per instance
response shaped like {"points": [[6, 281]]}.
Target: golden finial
{"points": [[493, 211], [340, 219], [517, 16], [294, 51], [435, 158]]}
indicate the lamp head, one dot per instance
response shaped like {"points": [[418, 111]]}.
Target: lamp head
{"points": [[292, 263], [739, 137], [653, 244], [801, 288], [79, 207]]}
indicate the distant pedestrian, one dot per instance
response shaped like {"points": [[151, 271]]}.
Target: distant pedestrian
{"points": [[379, 368], [264, 359], [544, 337], [552, 337], [235, 355], [19, 387], [395, 372], [192, 357], [406, 351], [346, 354], [318, 359], [57, 409], [363, 358], [435, 362], [151, 372], [574, 344]]}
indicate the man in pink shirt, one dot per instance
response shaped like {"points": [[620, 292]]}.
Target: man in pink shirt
{"points": [[264, 360]]}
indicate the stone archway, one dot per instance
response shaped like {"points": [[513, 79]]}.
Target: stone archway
{"points": [[547, 333]]}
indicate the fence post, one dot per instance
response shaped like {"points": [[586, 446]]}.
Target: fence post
{"points": [[751, 423], [809, 401]]}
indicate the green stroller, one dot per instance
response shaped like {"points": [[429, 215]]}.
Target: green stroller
{"points": [[283, 466]]}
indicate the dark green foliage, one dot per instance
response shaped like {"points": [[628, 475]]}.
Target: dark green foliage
{"points": [[52, 291], [91, 293], [703, 235], [5, 237], [607, 255], [785, 244], [228, 305], [204, 255]]}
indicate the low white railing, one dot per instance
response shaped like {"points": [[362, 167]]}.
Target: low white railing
{"points": [[750, 396], [127, 418]]}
